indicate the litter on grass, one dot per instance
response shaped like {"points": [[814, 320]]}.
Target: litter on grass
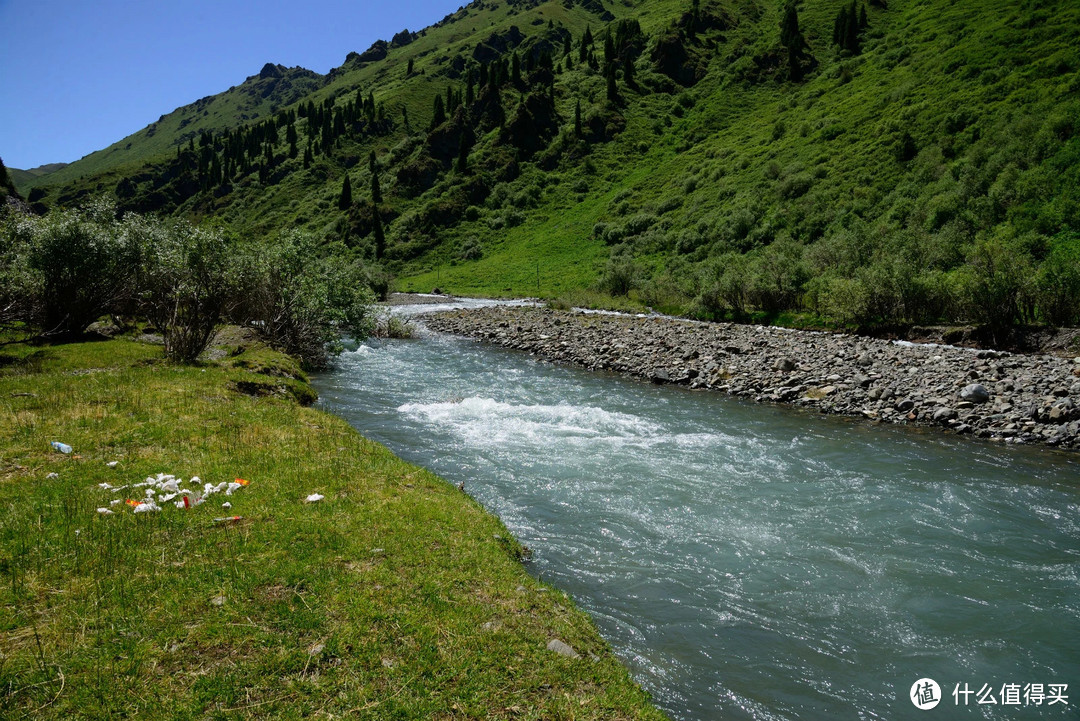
{"points": [[51, 476], [314, 498], [112, 464], [165, 488], [62, 447]]}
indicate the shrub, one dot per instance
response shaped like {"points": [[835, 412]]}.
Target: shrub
{"points": [[302, 302], [1057, 284], [19, 285], [471, 249], [620, 276], [83, 269], [725, 285], [184, 279]]}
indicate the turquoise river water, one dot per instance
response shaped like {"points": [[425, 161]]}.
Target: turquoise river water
{"points": [[749, 561]]}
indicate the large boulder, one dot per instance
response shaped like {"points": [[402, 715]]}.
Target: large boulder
{"points": [[975, 392]]}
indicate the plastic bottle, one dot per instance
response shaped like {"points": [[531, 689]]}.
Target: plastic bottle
{"points": [[62, 447]]}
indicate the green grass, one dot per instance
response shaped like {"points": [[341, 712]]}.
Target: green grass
{"points": [[395, 597]]}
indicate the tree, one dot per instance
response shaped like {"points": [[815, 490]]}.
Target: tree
{"points": [[612, 88], [376, 191], [628, 71], [379, 234], [463, 155], [515, 70], [345, 199], [439, 115], [577, 119], [185, 278], [792, 39], [409, 68], [586, 43]]}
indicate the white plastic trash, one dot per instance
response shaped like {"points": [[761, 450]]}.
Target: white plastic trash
{"points": [[314, 498], [62, 447], [226, 504], [112, 464], [51, 476], [105, 511]]}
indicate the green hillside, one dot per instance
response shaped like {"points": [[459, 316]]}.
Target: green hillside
{"points": [[26, 179], [878, 162]]}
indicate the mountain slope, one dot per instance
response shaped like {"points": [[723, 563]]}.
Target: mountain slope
{"points": [[914, 162]]}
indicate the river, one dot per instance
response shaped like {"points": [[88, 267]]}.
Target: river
{"points": [[750, 561]]}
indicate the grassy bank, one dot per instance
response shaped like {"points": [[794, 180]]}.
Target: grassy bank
{"points": [[396, 596]]}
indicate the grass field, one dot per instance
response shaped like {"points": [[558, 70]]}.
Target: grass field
{"points": [[397, 596]]}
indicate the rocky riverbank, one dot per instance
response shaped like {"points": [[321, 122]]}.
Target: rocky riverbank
{"points": [[989, 394]]}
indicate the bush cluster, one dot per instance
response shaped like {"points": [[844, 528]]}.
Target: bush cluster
{"points": [[62, 272]]}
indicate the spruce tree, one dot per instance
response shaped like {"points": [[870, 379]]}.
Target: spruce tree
{"points": [[380, 236], [566, 45], [612, 88], [409, 68], [792, 39], [851, 37], [470, 88], [515, 70], [586, 43], [345, 200], [463, 155], [577, 119], [439, 115], [863, 21], [376, 191], [628, 71]]}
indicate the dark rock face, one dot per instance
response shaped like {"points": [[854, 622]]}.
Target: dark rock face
{"points": [[1019, 399], [377, 51], [271, 71]]}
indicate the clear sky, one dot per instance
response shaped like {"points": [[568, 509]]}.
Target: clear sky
{"points": [[78, 75]]}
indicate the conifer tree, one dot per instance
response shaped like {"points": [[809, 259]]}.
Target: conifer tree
{"points": [[566, 45], [345, 200], [863, 21], [515, 70], [577, 119], [586, 43], [376, 191], [851, 37], [439, 115], [612, 88], [792, 39], [628, 71], [380, 236], [463, 155], [470, 89], [409, 69]]}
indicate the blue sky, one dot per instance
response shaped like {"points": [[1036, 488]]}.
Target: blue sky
{"points": [[78, 75]]}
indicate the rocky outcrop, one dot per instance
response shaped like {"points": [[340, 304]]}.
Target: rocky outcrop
{"points": [[989, 394]]}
